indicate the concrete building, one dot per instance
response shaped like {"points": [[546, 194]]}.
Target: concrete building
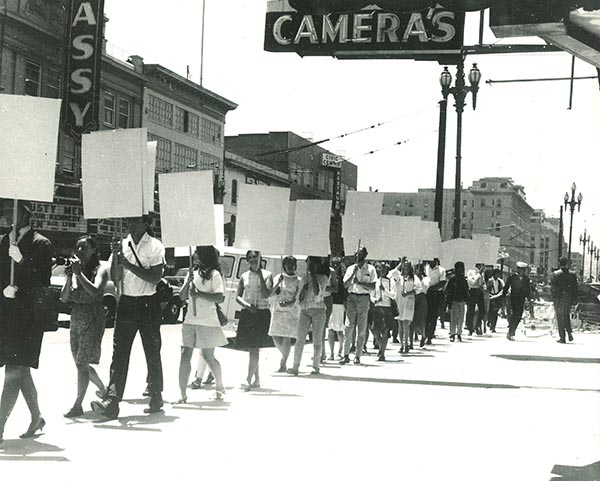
{"points": [[544, 246], [492, 205]]}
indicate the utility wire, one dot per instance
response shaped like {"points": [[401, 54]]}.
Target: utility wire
{"points": [[395, 144]]}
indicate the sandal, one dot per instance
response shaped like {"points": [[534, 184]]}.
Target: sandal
{"points": [[246, 387], [255, 385], [73, 412], [219, 395], [182, 400]]}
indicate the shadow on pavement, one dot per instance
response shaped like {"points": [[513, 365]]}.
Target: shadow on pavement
{"points": [[25, 450], [137, 423], [525, 357], [591, 472], [204, 406]]}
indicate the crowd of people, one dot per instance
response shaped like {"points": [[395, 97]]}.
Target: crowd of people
{"points": [[341, 302]]}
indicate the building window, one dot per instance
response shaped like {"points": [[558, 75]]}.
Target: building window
{"points": [[33, 73], [53, 83], [464, 214], [160, 110], [397, 212], [498, 203], [234, 192], [482, 202], [532, 258], [498, 213], [425, 216], [465, 202], [124, 113], [210, 132], [493, 212], [426, 204], [68, 155], [397, 204], [547, 242], [497, 226], [464, 227], [186, 122], [184, 157], [208, 161], [163, 153], [472, 215], [503, 185], [483, 185], [109, 108]]}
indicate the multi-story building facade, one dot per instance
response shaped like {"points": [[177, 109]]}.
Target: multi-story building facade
{"points": [[544, 245], [492, 205]]}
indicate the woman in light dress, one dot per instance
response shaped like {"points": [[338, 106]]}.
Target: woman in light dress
{"points": [[284, 309], [405, 299]]}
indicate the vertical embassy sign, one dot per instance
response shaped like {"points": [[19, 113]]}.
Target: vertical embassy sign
{"points": [[84, 55]]}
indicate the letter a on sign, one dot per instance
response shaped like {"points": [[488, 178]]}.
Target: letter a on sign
{"points": [[85, 13]]}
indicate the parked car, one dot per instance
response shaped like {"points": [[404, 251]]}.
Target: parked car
{"points": [[170, 309]]}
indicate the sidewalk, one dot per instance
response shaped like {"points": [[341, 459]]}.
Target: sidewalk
{"points": [[485, 408]]}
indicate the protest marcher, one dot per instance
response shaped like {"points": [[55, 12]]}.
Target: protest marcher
{"points": [[332, 288], [203, 287], [284, 309], [360, 279], [457, 293], [519, 286], [405, 299], [487, 275], [435, 298], [564, 295], [476, 283], [201, 368], [419, 321], [383, 315], [85, 282], [494, 286], [253, 293], [338, 315], [312, 313], [20, 334], [138, 260]]}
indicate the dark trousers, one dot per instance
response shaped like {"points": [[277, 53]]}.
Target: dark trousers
{"points": [[475, 298], [136, 314], [516, 308], [434, 303], [563, 318], [493, 313]]}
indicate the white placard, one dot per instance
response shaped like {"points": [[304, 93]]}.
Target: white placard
{"points": [[308, 228], [431, 246], [112, 175], [28, 147], [465, 250], [219, 231], [148, 168], [400, 237], [262, 218], [187, 215], [488, 248], [362, 222]]}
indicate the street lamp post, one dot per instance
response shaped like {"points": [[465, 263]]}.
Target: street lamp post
{"points": [[572, 203], [560, 233], [583, 240], [459, 92], [591, 250]]}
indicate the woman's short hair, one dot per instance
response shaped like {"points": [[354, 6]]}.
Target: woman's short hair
{"points": [[252, 253], [289, 260]]}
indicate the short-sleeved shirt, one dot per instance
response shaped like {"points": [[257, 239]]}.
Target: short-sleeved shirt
{"points": [[383, 297], [474, 279], [312, 300], [437, 275], [151, 252], [206, 311], [422, 286], [253, 288], [366, 273]]}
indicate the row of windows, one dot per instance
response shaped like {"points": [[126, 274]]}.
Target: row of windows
{"points": [[37, 79], [163, 112], [116, 112], [174, 156]]}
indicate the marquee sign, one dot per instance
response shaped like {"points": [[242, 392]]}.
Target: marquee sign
{"points": [[83, 58], [370, 32]]}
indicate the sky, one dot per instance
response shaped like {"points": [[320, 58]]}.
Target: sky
{"points": [[519, 130]]}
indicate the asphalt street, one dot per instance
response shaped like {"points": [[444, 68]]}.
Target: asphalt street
{"points": [[485, 408]]}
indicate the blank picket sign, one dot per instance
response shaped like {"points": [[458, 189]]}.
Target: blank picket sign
{"points": [[308, 228], [28, 147], [112, 173], [219, 231], [488, 248], [400, 237], [187, 215], [465, 250], [431, 245], [362, 222], [262, 218], [148, 168]]}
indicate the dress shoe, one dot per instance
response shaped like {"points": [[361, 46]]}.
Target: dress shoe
{"points": [[570, 337], [345, 360], [459, 338], [155, 405], [357, 360], [381, 358], [422, 343], [146, 392], [510, 338], [428, 342], [452, 338], [561, 341], [395, 340], [74, 412], [107, 408], [292, 371], [33, 427]]}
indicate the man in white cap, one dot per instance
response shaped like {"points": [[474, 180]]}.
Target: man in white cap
{"points": [[520, 289]]}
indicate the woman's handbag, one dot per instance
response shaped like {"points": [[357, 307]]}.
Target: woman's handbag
{"points": [[221, 315], [45, 310]]}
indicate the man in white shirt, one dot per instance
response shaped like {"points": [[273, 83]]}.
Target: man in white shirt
{"points": [[435, 298], [476, 284], [360, 279], [138, 261]]}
